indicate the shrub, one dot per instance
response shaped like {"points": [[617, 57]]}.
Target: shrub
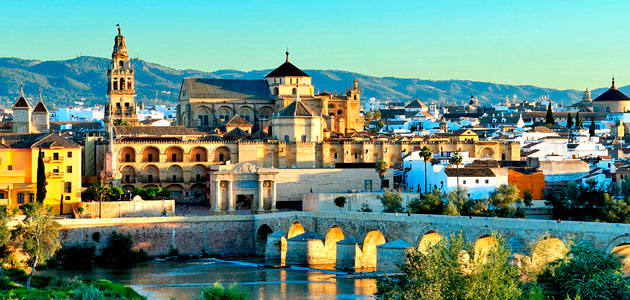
{"points": [[340, 202], [218, 292], [77, 255], [392, 201], [87, 293], [365, 207], [119, 251]]}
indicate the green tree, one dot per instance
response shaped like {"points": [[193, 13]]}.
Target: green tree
{"points": [[527, 198], [591, 129], [5, 236], [503, 199], [392, 201], [446, 271], [455, 202], [340, 202], [41, 178], [585, 272], [569, 121], [549, 121], [427, 155], [456, 160], [367, 118], [430, 203], [39, 235], [120, 122], [99, 191], [116, 192], [381, 168]]}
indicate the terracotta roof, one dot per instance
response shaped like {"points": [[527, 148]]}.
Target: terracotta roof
{"points": [[260, 135], [542, 129], [416, 104], [236, 134], [36, 140], [238, 121], [297, 109], [21, 102], [469, 172], [144, 139], [226, 88], [287, 69], [40, 107], [156, 130]]}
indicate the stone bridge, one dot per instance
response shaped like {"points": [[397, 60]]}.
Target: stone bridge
{"points": [[369, 240]]}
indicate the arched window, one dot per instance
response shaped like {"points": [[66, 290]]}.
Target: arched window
{"points": [[120, 63], [294, 91], [122, 83], [276, 91], [607, 109]]}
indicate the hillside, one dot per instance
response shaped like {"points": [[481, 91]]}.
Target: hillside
{"points": [[83, 79]]}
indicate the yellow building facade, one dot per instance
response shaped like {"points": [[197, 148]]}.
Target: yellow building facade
{"points": [[18, 170]]}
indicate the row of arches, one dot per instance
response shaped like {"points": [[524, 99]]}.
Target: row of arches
{"points": [[151, 174], [545, 249], [175, 154], [206, 116]]}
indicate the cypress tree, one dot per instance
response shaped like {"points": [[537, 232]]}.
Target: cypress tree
{"points": [[41, 178], [569, 121], [591, 129], [578, 121], [549, 119]]}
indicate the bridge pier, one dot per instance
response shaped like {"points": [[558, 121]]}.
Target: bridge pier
{"points": [[307, 249], [276, 248], [348, 254], [390, 255]]}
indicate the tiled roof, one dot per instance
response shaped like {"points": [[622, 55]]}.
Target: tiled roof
{"points": [[156, 130], [469, 172], [238, 121], [612, 94], [236, 134], [35, 140], [297, 109], [40, 107], [226, 88], [287, 69], [416, 104], [260, 135], [21, 102]]}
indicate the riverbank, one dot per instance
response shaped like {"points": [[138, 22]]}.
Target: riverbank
{"points": [[55, 287]]}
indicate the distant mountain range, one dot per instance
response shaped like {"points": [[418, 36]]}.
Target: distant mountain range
{"points": [[83, 79]]}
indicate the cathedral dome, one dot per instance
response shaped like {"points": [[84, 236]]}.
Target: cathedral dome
{"points": [[612, 94], [287, 69]]}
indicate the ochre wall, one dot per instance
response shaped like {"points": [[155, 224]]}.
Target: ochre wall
{"points": [[535, 183]]}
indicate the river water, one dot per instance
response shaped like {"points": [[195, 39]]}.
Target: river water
{"points": [[184, 280]]}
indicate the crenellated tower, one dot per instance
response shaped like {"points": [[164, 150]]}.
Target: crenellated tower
{"points": [[121, 106]]}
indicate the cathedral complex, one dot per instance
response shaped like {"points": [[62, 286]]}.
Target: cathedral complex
{"points": [[245, 144]]}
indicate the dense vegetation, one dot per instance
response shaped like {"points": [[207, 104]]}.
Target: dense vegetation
{"points": [[454, 269]]}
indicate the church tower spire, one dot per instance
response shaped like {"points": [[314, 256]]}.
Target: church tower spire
{"points": [[120, 85]]}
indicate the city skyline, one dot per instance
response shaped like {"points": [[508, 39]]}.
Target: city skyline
{"points": [[545, 43]]}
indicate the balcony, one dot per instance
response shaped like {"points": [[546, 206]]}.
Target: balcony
{"points": [[175, 180], [55, 174], [52, 160], [131, 180], [201, 179], [155, 179]]}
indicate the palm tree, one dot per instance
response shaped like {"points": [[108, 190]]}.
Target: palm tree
{"points": [[456, 160], [427, 155], [99, 190], [381, 168]]}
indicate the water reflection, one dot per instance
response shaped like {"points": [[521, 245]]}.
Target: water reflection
{"points": [[184, 280]]}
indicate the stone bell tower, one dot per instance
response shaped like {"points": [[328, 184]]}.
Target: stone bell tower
{"points": [[120, 86]]}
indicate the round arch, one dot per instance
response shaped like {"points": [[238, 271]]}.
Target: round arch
{"points": [[333, 236], [128, 188], [486, 152], [198, 192], [548, 249], [483, 246], [128, 173], [246, 113], [265, 112], [199, 154], [295, 229], [150, 154], [428, 240], [261, 238], [371, 241], [128, 154], [174, 173], [222, 154], [150, 174], [224, 113], [174, 154]]}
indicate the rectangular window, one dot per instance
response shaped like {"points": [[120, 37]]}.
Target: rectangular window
{"points": [[127, 178], [476, 180], [464, 181], [55, 155], [127, 157], [69, 153], [335, 155], [67, 197], [69, 169], [20, 198], [386, 183], [150, 178], [286, 138], [487, 181], [55, 170], [174, 157], [31, 197], [10, 167], [150, 157], [303, 138], [68, 187], [198, 157]]}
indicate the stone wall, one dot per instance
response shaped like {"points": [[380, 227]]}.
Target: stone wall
{"points": [[126, 209], [214, 235], [293, 183], [326, 201]]}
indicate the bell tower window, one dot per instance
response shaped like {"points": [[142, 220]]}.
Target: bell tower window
{"points": [[120, 64]]}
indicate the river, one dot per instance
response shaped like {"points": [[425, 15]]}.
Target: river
{"points": [[184, 280]]}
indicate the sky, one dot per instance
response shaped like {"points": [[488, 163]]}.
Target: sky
{"points": [[556, 44]]}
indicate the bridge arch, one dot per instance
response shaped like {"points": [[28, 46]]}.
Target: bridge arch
{"points": [[621, 247], [547, 249], [295, 229], [261, 238], [483, 246], [368, 251], [333, 235], [428, 240]]}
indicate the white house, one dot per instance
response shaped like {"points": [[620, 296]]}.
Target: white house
{"points": [[479, 181]]}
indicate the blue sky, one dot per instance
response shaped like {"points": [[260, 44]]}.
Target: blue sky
{"points": [[558, 44]]}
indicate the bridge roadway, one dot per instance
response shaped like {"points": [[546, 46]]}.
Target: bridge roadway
{"points": [[362, 235]]}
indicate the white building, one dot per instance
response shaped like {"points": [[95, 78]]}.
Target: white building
{"points": [[478, 181], [78, 113]]}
